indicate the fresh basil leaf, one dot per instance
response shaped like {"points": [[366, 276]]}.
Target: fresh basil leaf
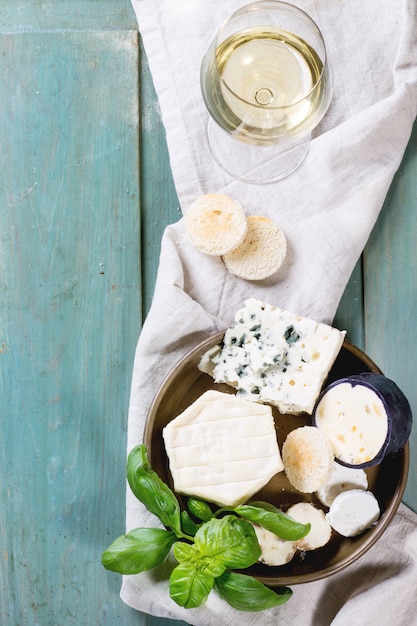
{"points": [[139, 550], [229, 541], [200, 509], [186, 552], [273, 519], [246, 593], [188, 525], [152, 491], [188, 586], [191, 555]]}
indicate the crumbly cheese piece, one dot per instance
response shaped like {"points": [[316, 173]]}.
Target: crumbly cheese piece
{"points": [[275, 357], [222, 448]]}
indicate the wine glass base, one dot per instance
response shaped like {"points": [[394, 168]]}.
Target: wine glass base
{"points": [[254, 164]]}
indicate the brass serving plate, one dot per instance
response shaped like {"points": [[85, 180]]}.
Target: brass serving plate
{"points": [[387, 480]]}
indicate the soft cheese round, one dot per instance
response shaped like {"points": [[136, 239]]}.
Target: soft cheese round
{"points": [[222, 449], [320, 531], [353, 511], [274, 551], [262, 251], [215, 224], [341, 479]]}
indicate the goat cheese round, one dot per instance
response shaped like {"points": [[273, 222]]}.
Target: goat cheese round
{"points": [[341, 479], [353, 511], [320, 531], [274, 551], [365, 417]]}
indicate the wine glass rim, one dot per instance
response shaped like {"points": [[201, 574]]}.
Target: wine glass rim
{"points": [[263, 4]]}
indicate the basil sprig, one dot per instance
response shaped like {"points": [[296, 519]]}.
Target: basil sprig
{"points": [[246, 593], [206, 550]]}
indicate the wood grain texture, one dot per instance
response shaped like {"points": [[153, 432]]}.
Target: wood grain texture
{"points": [[390, 298], [70, 305], [56, 15]]}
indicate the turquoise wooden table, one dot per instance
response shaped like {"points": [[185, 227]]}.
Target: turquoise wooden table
{"points": [[85, 193]]}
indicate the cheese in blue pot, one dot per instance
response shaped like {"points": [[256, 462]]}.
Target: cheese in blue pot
{"points": [[366, 417]]}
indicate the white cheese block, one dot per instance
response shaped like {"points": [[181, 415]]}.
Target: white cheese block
{"points": [[341, 479], [354, 419], [353, 511], [222, 448], [275, 357]]}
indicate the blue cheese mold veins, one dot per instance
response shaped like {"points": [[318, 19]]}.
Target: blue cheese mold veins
{"points": [[273, 356]]}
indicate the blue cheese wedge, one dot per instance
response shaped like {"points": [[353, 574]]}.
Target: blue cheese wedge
{"points": [[222, 448], [274, 357]]}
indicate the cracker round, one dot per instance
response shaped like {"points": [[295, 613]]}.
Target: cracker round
{"points": [[262, 251], [215, 224]]}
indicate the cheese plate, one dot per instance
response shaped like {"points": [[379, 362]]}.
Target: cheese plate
{"points": [[387, 481]]}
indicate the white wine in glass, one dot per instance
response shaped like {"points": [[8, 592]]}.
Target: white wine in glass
{"points": [[266, 83]]}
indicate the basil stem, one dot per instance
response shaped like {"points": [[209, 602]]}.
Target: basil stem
{"points": [[152, 491], [139, 550], [246, 593], [273, 519]]}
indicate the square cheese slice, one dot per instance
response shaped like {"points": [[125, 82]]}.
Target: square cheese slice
{"points": [[222, 448], [273, 356]]}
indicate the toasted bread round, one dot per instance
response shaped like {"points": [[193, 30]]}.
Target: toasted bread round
{"points": [[308, 458], [262, 251], [215, 224]]}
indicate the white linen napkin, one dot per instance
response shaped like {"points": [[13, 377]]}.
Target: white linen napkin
{"points": [[327, 209]]}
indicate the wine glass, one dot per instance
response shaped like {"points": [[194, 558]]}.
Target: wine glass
{"points": [[266, 83]]}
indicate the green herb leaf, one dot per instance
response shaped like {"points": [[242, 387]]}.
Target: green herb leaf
{"points": [[191, 555], [273, 519], [137, 551], [245, 593], [152, 491], [186, 552], [189, 586], [230, 541], [188, 525], [200, 509]]}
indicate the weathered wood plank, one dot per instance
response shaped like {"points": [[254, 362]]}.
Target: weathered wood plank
{"points": [[70, 305], [390, 303], [53, 15], [159, 201], [349, 315]]}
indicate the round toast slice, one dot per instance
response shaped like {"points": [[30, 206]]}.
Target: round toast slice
{"points": [[308, 458], [215, 224], [262, 251]]}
